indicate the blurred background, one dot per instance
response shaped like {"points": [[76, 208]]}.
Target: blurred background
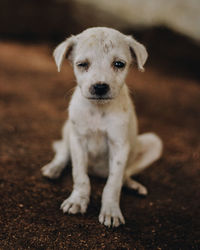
{"points": [[169, 29], [33, 103]]}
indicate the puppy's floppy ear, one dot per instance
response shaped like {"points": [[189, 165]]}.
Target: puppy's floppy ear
{"points": [[63, 50], [138, 50]]}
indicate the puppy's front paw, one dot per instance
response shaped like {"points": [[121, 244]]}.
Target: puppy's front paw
{"points": [[111, 215], [75, 204], [51, 171]]}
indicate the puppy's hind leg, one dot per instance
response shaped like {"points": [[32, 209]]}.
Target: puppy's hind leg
{"points": [[53, 169], [149, 150]]}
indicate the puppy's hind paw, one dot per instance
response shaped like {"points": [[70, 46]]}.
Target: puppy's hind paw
{"points": [[138, 187], [51, 171], [142, 190]]}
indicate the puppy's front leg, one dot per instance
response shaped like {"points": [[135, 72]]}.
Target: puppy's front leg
{"points": [[110, 211], [79, 198]]}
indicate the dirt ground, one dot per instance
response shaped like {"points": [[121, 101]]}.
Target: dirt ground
{"points": [[33, 104]]}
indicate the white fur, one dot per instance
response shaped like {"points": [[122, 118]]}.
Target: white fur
{"points": [[100, 136]]}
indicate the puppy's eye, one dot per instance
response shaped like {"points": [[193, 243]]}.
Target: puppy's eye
{"points": [[119, 64], [83, 65]]}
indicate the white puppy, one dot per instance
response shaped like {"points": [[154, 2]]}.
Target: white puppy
{"points": [[100, 135]]}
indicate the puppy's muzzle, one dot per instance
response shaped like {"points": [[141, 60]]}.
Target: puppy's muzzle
{"points": [[99, 89]]}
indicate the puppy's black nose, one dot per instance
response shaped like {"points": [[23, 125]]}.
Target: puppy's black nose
{"points": [[100, 89]]}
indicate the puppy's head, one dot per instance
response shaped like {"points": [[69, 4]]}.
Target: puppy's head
{"points": [[101, 58]]}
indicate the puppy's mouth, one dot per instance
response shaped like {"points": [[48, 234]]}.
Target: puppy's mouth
{"points": [[100, 99]]}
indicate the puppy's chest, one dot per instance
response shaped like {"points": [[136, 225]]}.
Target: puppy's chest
{"points": [[89, 123], [91, 128]]}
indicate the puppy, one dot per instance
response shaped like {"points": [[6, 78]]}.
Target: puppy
{"points": [[101, 133]]}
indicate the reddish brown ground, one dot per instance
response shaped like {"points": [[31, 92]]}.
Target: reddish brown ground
{"points": [[33, 103]]}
